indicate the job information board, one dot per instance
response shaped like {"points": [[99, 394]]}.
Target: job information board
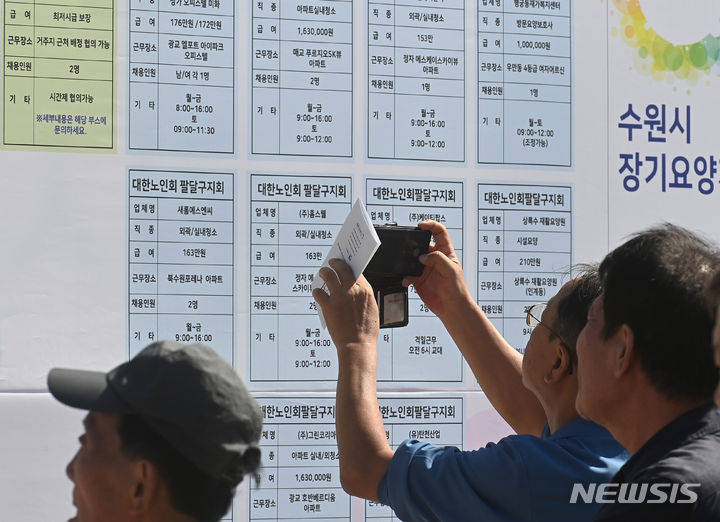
{"points": [[179, 169]]}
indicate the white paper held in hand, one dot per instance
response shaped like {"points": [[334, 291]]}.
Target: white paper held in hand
{"points": [[355, 244]]}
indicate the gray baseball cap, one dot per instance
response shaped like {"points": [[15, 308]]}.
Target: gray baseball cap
{"points": [[187, 393]]}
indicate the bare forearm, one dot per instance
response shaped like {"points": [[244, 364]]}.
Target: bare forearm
{"points": [[364, 450], [497, 366]]}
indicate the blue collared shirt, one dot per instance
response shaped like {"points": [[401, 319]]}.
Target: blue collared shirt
{"points": [[522, 477]]}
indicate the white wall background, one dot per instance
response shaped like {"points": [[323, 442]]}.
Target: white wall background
{"points": [[63, 221]]}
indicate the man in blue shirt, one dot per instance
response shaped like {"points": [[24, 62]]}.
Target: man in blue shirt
{"points": [[529, 476]]}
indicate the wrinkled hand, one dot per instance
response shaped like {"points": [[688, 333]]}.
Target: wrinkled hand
{"points": [[350, 310], [442, 284]]}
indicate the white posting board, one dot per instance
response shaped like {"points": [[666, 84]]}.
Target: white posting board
{"points": [[179, 170]]}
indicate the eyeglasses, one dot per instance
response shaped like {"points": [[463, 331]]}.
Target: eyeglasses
{"points": [[534, 313]]}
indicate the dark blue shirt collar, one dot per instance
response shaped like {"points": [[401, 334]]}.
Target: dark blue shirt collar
{"points": [[691, 425]]}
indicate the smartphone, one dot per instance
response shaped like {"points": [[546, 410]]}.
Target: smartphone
{"points": [[398, 252], [395, 258]]}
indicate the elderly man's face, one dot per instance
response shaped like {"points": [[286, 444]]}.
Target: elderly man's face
{"points": [[540, 351], [595, 366], [101, 474]]}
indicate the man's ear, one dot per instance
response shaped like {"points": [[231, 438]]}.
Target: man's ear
{"points": [[623, 343], [562, 364], [144, 486]]}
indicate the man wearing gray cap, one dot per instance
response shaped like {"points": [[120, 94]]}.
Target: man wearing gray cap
{"points": [[168, 437]]}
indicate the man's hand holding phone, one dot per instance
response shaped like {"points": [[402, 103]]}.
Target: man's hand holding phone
{"points": [[442, 284], [396, 257]]}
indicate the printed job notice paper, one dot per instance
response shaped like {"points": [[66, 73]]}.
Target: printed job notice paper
{"points": [[181, 76], [58, 85], [524, 251], [356, 243], [300, 477], [180, 252], [423, 350], [295, 220]]}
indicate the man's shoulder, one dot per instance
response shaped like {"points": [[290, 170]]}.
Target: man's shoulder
{"points": [[579, 449], [693, 456], [662, 503], [487, 481], [695, 459], [680, 483], [577, 437]]}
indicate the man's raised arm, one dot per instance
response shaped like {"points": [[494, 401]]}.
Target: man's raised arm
{"points": [[352, 319], [497, 366]]}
